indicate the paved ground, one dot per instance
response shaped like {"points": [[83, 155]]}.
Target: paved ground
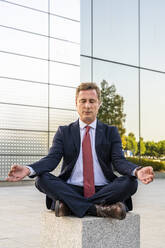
{"points": [[21, 207]]}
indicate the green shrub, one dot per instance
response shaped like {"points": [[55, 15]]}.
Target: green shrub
{"points": [[156, 165]]}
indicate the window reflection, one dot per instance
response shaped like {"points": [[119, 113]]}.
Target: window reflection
{"points": [[152, 105], [64, 29], [27, 93], [37, 4], [22, 18], [23, 43], [21, 117], [70, 9], [125, 80], [86, 69], [24, 68], [64, 74], [60, 117], [115, 30], [152, 34], [65, 52], [86, 27], [62, 97]]}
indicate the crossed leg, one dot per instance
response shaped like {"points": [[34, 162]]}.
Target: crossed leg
{"points": [[56, 189]]}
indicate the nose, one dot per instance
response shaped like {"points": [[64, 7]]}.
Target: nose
{"points": [[87, 104]]}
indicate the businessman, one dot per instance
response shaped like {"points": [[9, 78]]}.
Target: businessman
{"points": [[89, 148]]}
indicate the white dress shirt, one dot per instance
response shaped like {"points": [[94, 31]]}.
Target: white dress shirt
{"points": [[77, 174]]}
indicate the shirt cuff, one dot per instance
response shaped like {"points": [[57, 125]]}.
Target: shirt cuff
{"points": [[137, 168], [133, 172], [32, 172]]}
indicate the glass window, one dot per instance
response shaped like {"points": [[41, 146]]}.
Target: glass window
{"points": [[23, 18], [23, 43], [64, 52], [152, 106], [115, 30], [152, 34], [23, 68], [62, 97], [70, 9], [86, 27], [21, 117], [64, 29], [27, 93], [59, 117], [125, 80], [37, 4], [23, 142], [86, 69], [64, 74]]}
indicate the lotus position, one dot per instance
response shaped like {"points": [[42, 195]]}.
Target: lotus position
{"points": [[89, 148]]}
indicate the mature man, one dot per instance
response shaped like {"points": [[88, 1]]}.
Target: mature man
{"points": [[87, 184]]}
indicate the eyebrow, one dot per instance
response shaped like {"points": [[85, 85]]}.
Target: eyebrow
{"points": [[82, 99]]}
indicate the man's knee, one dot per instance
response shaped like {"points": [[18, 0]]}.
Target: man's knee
{"points": [[131, 184], [127, 185], [41, 180]]}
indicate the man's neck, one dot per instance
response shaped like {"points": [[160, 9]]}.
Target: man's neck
{"points": [[83, 124], [88, 122]]}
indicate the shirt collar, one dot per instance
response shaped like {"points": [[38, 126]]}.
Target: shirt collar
{"points": [[83, 124]]}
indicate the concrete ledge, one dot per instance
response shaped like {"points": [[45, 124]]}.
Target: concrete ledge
{"points": [[19, 183], [89, 232]]}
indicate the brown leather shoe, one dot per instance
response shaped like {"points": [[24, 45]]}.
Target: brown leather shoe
{"points": [[61, 209], [117, 210]]}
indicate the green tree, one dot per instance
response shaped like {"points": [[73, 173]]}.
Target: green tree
{"points": [[124, 141], [151, 149], [141, 147], [112, 107], [161, 148], [131, 143]]}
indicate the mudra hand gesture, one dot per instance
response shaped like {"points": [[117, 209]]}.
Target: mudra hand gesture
{"points": [[145, 174], [17, 173]]}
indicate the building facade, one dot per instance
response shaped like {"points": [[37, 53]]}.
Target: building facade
{"points": [[43, 58], [40, 68]]}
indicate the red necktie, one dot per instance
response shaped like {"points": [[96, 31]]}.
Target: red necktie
{"points": [[89, 186]]}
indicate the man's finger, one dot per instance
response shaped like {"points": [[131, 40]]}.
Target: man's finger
{"points": [[14, 167], [12, 179], [147, 180], [11, 173]]}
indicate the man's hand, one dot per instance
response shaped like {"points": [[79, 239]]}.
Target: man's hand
{"points": [[17, 173], [145, 174]]}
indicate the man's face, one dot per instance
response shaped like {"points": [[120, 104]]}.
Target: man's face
{"points": [[87, 105]]}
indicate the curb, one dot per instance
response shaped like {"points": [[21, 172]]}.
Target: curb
{"points": [[20, 183]]}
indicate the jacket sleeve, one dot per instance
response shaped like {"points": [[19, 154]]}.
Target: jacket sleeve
{"points": [[119, 162], [53, 158]]}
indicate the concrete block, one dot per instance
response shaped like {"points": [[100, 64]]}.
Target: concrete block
{"points": [[90, 232]]}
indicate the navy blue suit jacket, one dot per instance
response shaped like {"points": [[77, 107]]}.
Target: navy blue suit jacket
{"points": [[66, 145]]}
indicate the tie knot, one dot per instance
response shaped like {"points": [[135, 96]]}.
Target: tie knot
{"points": [[87, 128]]}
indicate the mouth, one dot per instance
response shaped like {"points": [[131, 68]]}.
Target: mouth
{"points": [[87, 113]]}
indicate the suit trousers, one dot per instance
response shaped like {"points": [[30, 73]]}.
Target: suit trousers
{"points": [[120, 190]]}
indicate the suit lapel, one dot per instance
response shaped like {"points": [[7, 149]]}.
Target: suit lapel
{"points": [[75, 130], [99, 135]]}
